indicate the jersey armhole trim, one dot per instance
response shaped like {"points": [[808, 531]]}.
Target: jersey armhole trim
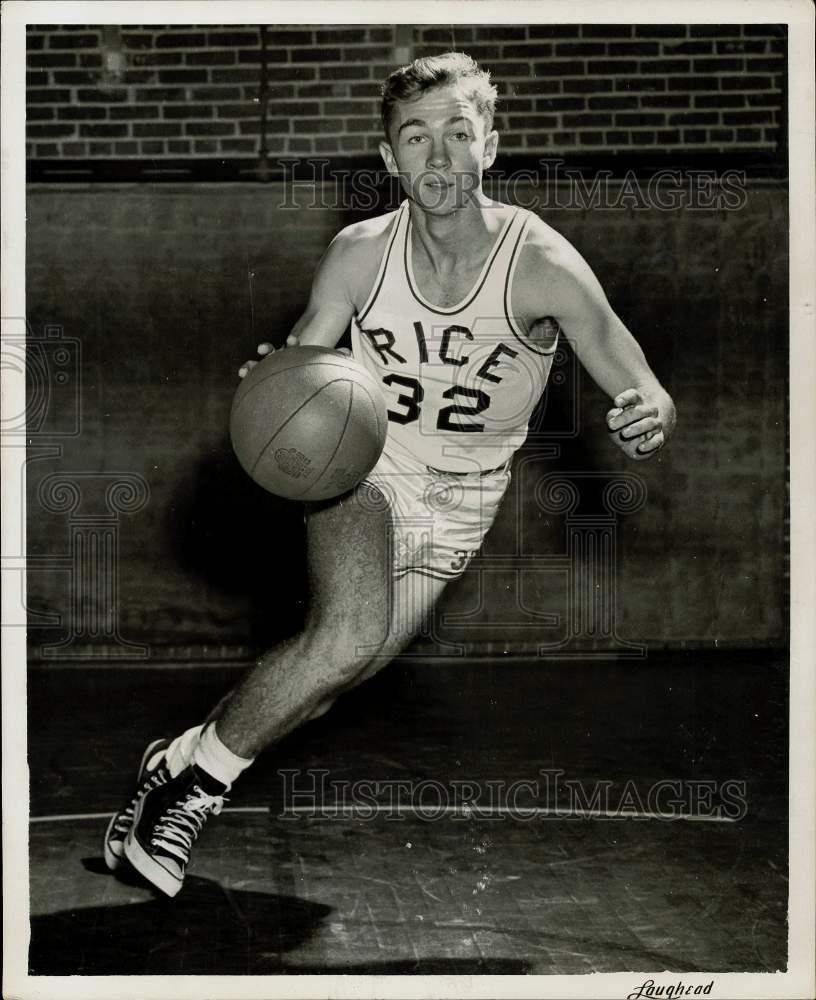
{"points": [[378, 283], [508, 309]]}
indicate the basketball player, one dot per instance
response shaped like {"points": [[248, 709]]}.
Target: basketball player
{"points": [[455, 305]]}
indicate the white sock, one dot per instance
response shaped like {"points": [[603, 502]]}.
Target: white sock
{"points": [[218, 760], [180, 751]]}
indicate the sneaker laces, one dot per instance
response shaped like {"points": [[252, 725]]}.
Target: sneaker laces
{"points": [[125, 818], [178, 829]]}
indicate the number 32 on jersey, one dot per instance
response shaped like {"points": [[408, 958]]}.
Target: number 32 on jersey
{"points": [[466, 402]]}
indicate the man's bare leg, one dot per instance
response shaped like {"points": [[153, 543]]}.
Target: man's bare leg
{"points": [[348, 624], [357, 621], [413, 599]]}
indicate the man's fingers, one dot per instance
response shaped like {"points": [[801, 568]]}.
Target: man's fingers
{"points": [[652, 443], [628, 398], [635, 430], [246, 368], [636, 424], [266, 348], [617, 418]]}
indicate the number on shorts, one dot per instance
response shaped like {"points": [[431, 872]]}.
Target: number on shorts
{"points": [[462, 556]]}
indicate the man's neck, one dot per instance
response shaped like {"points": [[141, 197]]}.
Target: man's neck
{"points": [[460, 236]]}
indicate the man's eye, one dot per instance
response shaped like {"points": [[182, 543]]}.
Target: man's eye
{"points": [[416, 138], [462, 136]]}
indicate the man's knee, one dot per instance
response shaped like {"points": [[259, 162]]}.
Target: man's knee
{"points": [[345, 643], [321, 708], [355, 671], [346, 635], [339, 654]]}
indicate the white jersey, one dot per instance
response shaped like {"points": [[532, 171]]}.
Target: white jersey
{"points": [[460, 383]]}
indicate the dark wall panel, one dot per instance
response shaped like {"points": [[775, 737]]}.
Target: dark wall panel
{"points": [[167, 289]]}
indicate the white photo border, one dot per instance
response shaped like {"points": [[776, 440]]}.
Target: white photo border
{"points": [[798, 981]]}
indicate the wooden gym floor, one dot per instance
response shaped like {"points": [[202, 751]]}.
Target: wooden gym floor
{"points": [[394, 892]]}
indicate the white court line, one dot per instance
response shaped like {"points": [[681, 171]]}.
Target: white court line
{"points": [[366, 811], [78, 817]]}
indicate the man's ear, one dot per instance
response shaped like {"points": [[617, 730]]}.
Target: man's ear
{"points": [[491, 147], [388, 157]]}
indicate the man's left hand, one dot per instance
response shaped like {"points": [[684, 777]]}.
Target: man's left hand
{"points": [[637, 425]]}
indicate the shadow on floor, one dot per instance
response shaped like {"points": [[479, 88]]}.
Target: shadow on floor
{"points": [[418, 967], [207, 930]]}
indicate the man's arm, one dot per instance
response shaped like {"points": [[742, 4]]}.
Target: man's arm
{"points": [[643, 416], [342, 283], [330, 307]]}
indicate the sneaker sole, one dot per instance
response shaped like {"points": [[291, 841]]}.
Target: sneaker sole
{"points": [[112, 859], [149, 869]]}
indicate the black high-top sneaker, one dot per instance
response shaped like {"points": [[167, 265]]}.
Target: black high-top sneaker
{"points": [[152, 772], [168, 821]]}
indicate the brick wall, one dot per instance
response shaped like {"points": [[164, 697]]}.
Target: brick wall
{"points": [[195, 91]]}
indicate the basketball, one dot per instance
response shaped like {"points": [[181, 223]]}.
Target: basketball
{"points": [[308, 423]]}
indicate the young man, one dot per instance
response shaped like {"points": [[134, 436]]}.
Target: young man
{"points": [[455, 304]]}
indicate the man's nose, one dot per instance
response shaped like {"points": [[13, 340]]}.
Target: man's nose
{"points": [[438, 154]]}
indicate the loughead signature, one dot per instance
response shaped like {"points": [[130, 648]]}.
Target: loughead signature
{"points": [[678, 989]]}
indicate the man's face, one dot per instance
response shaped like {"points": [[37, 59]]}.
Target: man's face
{"points": [[439, 148]]}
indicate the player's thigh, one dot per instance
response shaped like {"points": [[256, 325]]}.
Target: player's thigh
{"points": [[349, 566]]}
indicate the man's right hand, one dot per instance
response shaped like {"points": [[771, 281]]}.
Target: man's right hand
{"points": [[264, 349]]}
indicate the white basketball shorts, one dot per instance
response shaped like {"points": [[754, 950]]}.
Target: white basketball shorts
{"points": [[439, 518]]}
